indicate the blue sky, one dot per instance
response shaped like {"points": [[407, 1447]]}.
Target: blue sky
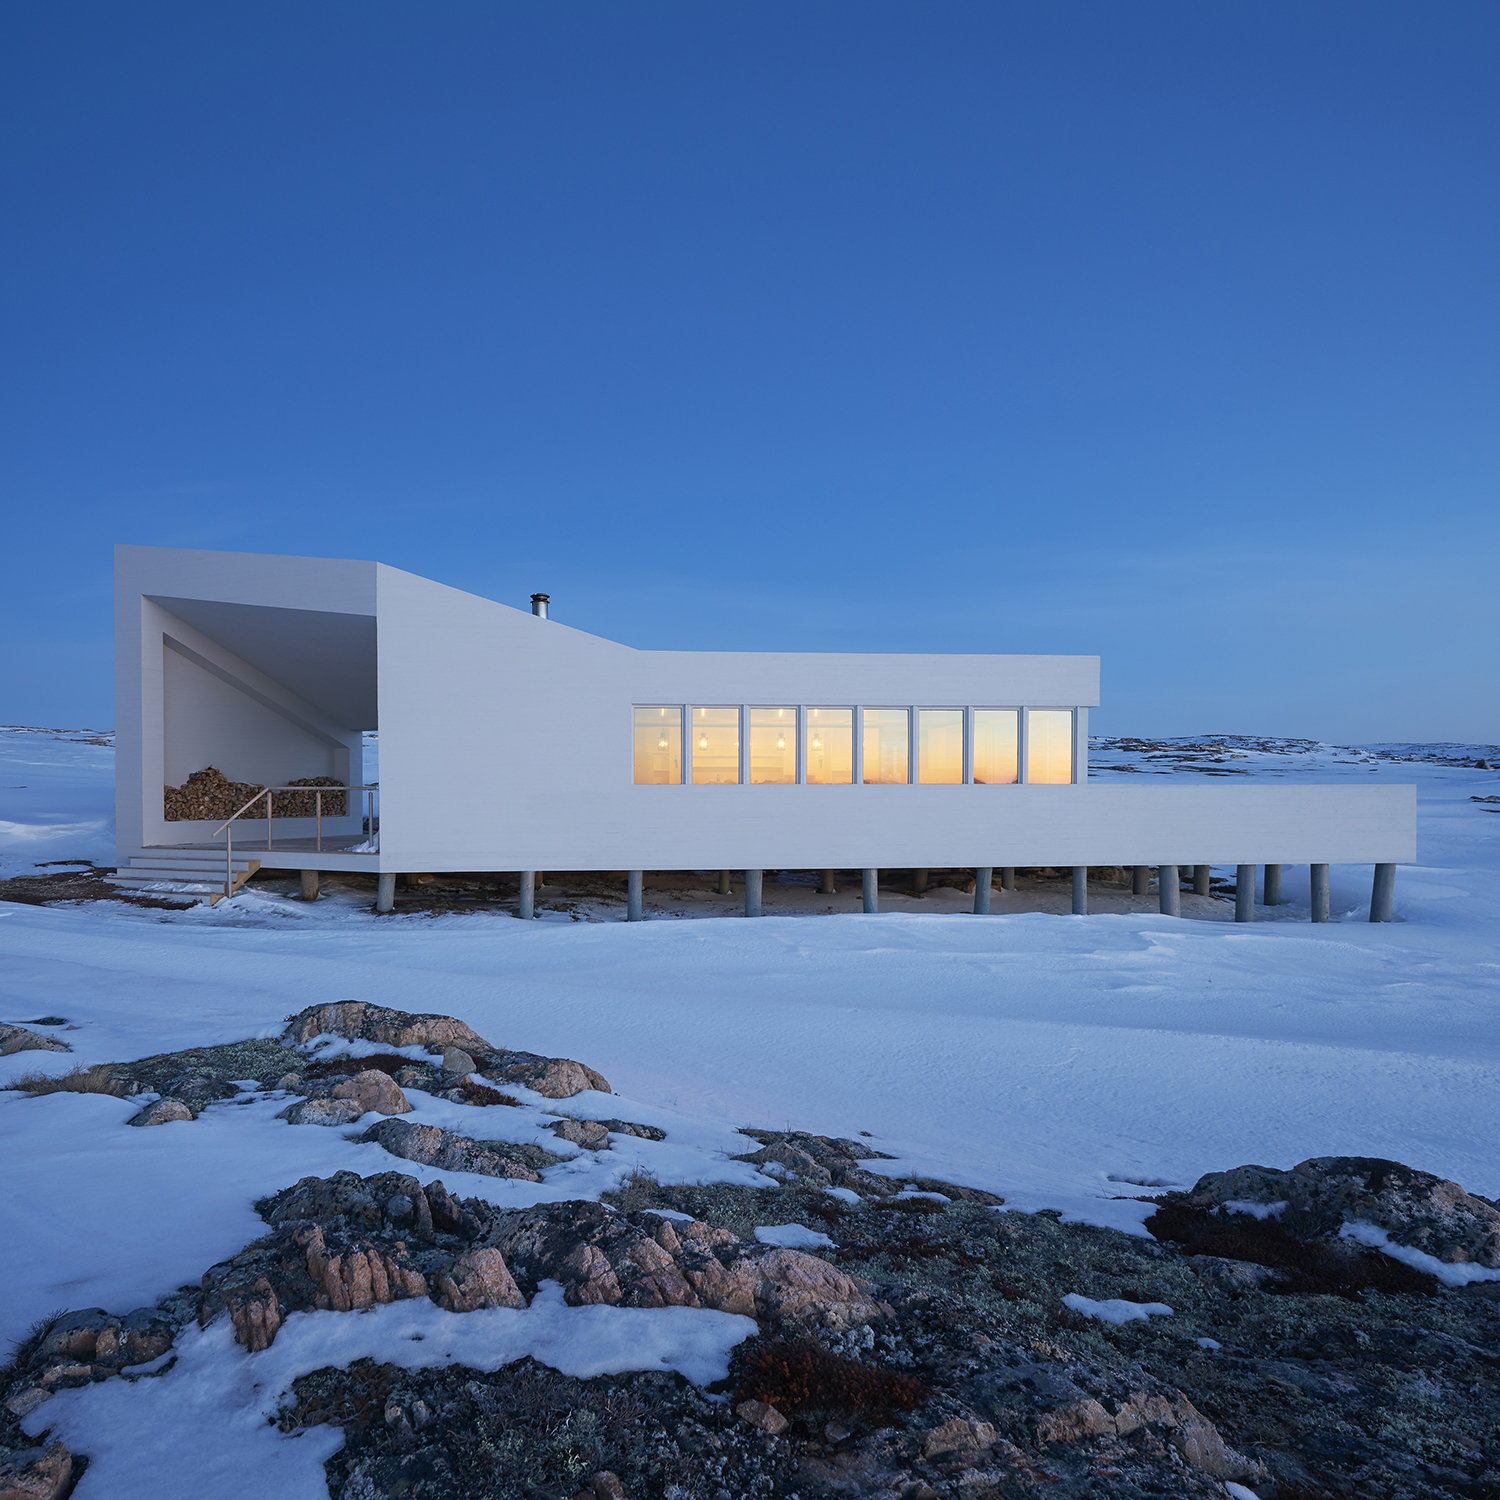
{"points": [[1153, 328]]}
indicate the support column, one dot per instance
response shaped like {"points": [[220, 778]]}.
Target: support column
{"points": [[919, 882], [1080, 890], [1008, 878], [1169, 890], [1318, 889], [1383, 894], [1140, 880], [724, 888], [1203, 880], [826, 886], [982, 880], [753, 880], [310, 882], [385, 893], [870, 889], [1271, 881], [635, 895], [526, 908], [1244, 893]]}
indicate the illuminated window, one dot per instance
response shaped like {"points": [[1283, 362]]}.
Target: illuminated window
{"points": [[773, 746], [658, 746], [1049, 746], [940, 744], [887, 745], [996, 736], [715, 746], [830, 746]]}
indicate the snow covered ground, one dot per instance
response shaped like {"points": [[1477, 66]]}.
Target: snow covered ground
{"points": [[1062, 1061]]}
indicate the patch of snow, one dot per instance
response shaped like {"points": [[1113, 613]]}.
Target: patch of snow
{"points": [[792, 1237], [326, 1045], [204, 1428], [843, 1194], [1239, 1491], [1255, 1210], [1116, 1309], [1208, 1343], [1450, 1273]]}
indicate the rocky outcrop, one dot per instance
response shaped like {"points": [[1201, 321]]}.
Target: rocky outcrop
{"points": [[479, 1278], [41, 1473], [322, 1112], [200, 1076], [348, 1242], [644, 1260], [551, 1077], [162, 1112], [345, 1243], [75, 1349], [629, 1127], [1191, 1433], [435, 1147], [358, 1020], [20, 1039], [1324, 1193], [375, 1092], [592, 1135]]}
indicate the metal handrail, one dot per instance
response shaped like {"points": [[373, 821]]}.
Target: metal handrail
{"points": [[268, 792]]}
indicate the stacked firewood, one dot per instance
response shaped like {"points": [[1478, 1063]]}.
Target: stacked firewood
{"points": [[210, 795]]}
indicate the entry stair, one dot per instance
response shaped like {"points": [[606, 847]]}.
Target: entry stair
{"points": [[193, 871]]}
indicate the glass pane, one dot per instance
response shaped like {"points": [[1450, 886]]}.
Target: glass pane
{"points": [[1049, 745], [658, 746], [716, 746], [887, 745], [830, 746], [940, 744], [996, 731], [773, 746]]}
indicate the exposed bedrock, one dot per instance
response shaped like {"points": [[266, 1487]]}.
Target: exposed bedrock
{"points": [[347, 1242], [435, 1147], [645, 1260], [359, 1020], [22, 1039], [1324, 1193]]}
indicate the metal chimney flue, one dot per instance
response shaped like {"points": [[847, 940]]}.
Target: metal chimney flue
{"points": [[539, 603]]}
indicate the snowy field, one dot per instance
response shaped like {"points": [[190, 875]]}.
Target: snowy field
{"points": [[1061, 1061]]}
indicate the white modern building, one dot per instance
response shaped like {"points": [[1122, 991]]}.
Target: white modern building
{"points": [[509, 741]]}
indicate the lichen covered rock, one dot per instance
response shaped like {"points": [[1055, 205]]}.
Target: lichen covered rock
{"points": [[1319, 1196]]}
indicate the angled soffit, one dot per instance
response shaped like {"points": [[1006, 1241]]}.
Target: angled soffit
{"points": [[326, 658]]}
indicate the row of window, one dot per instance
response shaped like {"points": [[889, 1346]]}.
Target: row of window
{"points": [[725, 745]]}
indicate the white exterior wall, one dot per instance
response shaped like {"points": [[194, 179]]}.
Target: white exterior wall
{"points": [[533, 767], [184, 702], [506, 744]]}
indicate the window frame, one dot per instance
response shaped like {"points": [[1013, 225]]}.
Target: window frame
{"points": [[1025, 746], [747, 717], [965, 715], [1020, 710], [857, 711]]}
